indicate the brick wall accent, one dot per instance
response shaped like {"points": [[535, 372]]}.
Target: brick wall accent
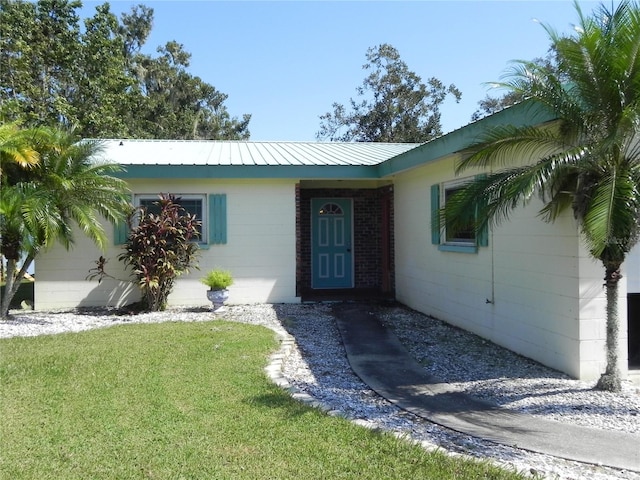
{"points": [[368, 238]]}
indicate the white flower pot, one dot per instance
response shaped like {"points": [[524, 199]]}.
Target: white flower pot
{"points": [[217, 299]]}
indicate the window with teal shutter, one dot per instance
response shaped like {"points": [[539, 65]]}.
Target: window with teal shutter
{"points": [[214, 218], [217, 219]]}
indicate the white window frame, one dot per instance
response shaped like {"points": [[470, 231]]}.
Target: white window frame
{"points": [[204, 238], [444, 188]]}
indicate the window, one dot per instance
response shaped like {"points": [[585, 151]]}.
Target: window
{"points": [[463, 239], [193, 204], [210, 209], [464, 235], [330, 209]]}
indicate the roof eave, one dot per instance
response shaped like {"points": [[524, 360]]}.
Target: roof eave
{"points": [[527, 113]]}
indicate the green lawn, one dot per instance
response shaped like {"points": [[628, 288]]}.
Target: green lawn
{"points": [[181, 401]]}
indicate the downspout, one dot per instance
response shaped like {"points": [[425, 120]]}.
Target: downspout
{"points": [[492, 298]]}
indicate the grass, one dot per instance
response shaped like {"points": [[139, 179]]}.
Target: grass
{"points": [[182, 401]]}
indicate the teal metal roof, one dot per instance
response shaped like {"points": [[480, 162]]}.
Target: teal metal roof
{"points": [[301, 160], [246, 153]]}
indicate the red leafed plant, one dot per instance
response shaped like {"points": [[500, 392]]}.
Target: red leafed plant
{"points": [[159, 248]]}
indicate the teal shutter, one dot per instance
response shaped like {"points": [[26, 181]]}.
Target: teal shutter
{"points": [[120, 233], [482, 237], [435, 214], [218, 219]]}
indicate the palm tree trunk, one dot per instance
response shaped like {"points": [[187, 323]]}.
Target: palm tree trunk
{"points": [[6, 297], [13, 283], [611, 379], [8, 287]]}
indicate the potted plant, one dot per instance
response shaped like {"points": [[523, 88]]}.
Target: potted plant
{"points": [[218, 282]]}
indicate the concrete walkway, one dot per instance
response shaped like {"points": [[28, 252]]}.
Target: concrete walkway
{"points": [[381, 361]]}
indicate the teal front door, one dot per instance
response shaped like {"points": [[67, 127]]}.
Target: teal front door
{"points": [[332, 251]]}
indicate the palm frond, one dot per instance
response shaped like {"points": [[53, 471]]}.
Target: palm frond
{"points": [[15, 147], [611, 219], [490, 199], [89, 223], [503, 144], [42, 222], [70, 185]]}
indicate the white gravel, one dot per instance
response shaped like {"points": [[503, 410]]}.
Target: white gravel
{"points": [[316, 366]]}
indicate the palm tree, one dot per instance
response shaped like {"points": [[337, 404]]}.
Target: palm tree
{"points": [[588, 160], [41, 205], [16, 153], [16, 146]]}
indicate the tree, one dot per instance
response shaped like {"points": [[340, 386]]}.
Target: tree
{"points": [[490, 105], [590, 161], [181, 106], [135, 29], [55, 69], [160, 248], [41, 205], [38, 59], [16, 152], [105, 93], [396, 105]]}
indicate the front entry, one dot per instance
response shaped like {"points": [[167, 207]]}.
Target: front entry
{"points": [[331, 245]]}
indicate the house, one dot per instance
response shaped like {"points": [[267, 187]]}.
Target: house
{"points": [[290, 219]]}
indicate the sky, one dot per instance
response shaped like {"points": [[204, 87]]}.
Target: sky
{"points": [[287, 62]]}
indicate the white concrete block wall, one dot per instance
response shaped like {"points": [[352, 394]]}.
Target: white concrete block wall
{"points": [[260, 252], [593, 304], [61, 276], [261, 242], [533, 290]]}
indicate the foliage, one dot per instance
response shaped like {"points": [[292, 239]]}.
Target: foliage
{"points": [[91, 75], [184, 400], [588, 161], [218, 279], [40, 205], [99, 272], [16, 148], [160, 248], [396, 106], [38, 54], [490, 105], [181, 105]]}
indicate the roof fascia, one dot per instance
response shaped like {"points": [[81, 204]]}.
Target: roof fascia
{"points": [[527, 113], [302, 172]]}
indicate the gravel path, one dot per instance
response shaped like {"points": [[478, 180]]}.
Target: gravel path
{"points": [[317, 367]]}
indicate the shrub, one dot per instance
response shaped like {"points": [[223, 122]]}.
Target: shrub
{"points": [[160, 248]]}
